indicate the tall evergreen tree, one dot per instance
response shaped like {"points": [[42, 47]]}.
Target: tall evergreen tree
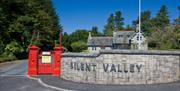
{"points": [[109, 27], [145, 22], [179, 11], [94, 31], [177, 21], [118, 20], [162, 19]]}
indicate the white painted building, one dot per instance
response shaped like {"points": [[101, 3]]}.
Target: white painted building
{"points": [[143, 42]]}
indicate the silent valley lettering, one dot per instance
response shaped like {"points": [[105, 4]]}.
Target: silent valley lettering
{"points": [[123, 67]]}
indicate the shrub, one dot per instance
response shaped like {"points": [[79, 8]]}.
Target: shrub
{"points": [[79, 46], [5, 58]]}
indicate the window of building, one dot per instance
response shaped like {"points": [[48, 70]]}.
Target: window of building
{"points": [[93, 48], [120, 36], [140, 38], [130, 41], [103, 47]]}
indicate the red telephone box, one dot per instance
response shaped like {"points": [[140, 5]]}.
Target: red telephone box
{"points": [[44, 63]]}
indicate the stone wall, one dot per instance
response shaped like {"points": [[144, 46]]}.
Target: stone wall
{"points": [[90, 49], [122, 67]]}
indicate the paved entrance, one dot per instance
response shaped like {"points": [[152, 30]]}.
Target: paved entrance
{"points": [[13, 78], [20, 83]]}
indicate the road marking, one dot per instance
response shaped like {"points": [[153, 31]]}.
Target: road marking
{"points": [[48, 86], [13, 75], [39, 80]]}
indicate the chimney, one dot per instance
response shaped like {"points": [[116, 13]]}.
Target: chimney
{"points": [[89, 37], [137, 27]]}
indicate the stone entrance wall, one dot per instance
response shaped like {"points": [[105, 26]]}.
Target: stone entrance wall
{"points": [[122, 67]]}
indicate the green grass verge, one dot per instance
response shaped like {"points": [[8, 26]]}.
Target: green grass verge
{"points": [[7, 58]]}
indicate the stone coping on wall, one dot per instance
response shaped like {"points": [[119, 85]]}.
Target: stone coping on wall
{"points": [[135, 52]]}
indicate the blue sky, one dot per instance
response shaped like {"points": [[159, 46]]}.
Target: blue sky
{"points": [[83, 14]]}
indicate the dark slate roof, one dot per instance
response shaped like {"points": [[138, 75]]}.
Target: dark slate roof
{"points": [[124, 32], [121, 40], [100, 41], [124, 39]]}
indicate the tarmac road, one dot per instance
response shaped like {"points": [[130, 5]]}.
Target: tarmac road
{"points": [[13, 78], [14, 68]]}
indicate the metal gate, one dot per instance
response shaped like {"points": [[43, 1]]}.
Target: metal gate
{"points": [[45, 63]]}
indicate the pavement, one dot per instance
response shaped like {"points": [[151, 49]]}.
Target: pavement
{"points": [[13, 78], [58, 82], [14, 68], [20, 83]]}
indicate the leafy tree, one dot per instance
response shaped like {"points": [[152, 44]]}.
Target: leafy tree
{"points": [[79, 46], [118, 20], [1, 47], [128, 27], [66, 41], [165, 40], [13, 48], [28, 22], [176, 36], [176, 32], [79, 35], [76, 36], [3, 24], [109, 27]]}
